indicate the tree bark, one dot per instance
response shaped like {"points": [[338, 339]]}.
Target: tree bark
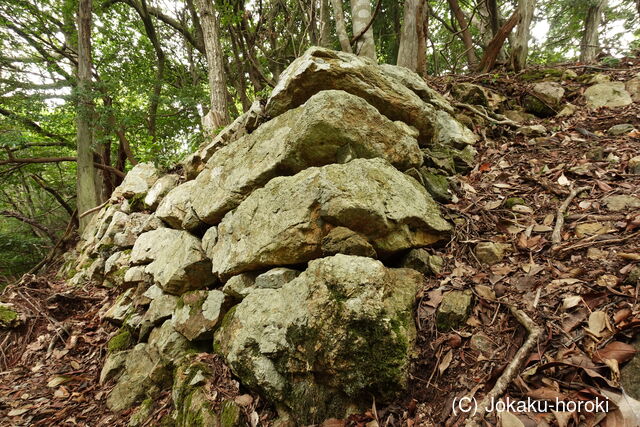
{"points": [[466, 34], [218, 114], [87, 190], [360, 18], [493, 49], [520, 47], [341, 26], [408, 51], [590, 43], [422, 28], [325, 24]]}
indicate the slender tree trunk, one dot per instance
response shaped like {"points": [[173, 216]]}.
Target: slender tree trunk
{"points": [[408, 51], [466, 34], [423, 28], [590, 43], [88, 193], [360, 17], [493, 49], [325, 24], [218, 114], [520, 47], [341, 26]]}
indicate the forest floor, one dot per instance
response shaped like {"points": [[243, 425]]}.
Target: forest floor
{"points": [[577, 292]]}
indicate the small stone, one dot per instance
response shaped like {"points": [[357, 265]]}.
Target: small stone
{"points": [[533, 130], [135, 275], [518, 116], [161, 308], [341, 240], [489, 253], [169, 343], [113, 365], [512, 201], [420, 260], [160, 189], [609, 94], [437, 185], [453, 310], [122, 308], [199, 312], [631, 372], [621, 129], [481, 343], [591, 229], [9, 317], [568, 110], [276, 278], [634, 165], [209, 239], [595, 253], [621, 202], [633, 278]]}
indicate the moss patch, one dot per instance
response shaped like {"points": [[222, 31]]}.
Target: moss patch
{"points": [[122, 341], [8, 317]]}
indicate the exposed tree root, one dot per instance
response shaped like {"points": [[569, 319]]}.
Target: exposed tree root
{"points": [[556, 236], [514, 367]]}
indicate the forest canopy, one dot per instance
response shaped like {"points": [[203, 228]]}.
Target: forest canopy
{"points": [[91, 88]]}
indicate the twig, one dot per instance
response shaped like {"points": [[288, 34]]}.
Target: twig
{"points": [[513, 369], [364, 30], [92, 210], [486, 116], [556, 236], [599, 242]]}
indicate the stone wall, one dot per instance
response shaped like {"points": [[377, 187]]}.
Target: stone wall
{"points": [[277, 246]]}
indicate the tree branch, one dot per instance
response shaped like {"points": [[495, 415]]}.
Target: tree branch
{"points": [[32, 222], [59, 160], [366, 27]]}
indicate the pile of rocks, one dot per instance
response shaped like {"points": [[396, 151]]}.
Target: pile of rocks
{"points": [[277, 246]]}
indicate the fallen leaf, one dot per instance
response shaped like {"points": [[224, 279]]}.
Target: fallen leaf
{"points": [[485, 292], [564, 181], [607, 280], [17, 412], [57, 380], [616, 350], [446, 361], [597, 323], [509, 420], [570, 302]]}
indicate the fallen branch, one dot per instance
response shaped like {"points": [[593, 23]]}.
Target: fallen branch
{"points": [[593, 241], [556, 236], [486, 116], [514, 367], [97, 208]]}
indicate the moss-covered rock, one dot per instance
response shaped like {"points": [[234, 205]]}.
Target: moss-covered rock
{"points": [[350, 339], [121, 341], [9, 317], [453, 310]]}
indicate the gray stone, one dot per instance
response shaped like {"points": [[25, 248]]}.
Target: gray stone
{"points": [[121, 308], [533, 130], [176, 208], [473, 94], [136, 274], [631, 372], [283, 223], [356, 338], [114, 365], [436, 184], [518, 116], [612, 94], [160, 309], [170, 344], [209, 239], [96, 270], [117, 225], [331, 127], [634, 165], [275, 278], [621, 202], [621, 129], [199, 313], [422, 261], [239, 286], [178, 263], [450, 132], [322, 69], [137, 182], [633, 87], [544, 99], [162, 186], [453, 310], [489, 253], [341, 240]]}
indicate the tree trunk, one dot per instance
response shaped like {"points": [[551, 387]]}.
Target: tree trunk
{"points": [[423, 28], [520, 47], [589, 44], [325, 25], [408, 51], [218, 115], [341, 26], [493, 49], [360, 17], [88, 192], [466, 34]]}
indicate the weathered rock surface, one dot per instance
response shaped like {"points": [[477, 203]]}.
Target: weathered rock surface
{"points": [[284, 222], [453, 310], [417, 84], [611, 94], [347, 341], [176, 210], [422, 261], [489, 253], [545, 99], [199, 312], [161, 187], [275, 278], [137, 182], [341, 240], [321, 69], [331, 127], [178, 263]]}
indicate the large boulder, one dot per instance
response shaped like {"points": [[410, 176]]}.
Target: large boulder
{"points": [[331, 127], [417, 84], [321, 69], [333, 337], [177, 262], [160, 189], [285, 222], [545, 99], [176, 210], [610, 94]]}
